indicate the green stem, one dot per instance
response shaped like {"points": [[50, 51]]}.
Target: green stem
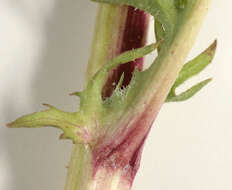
{"points": [[110, 23], [80, 170]]}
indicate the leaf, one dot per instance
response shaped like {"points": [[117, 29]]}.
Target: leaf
{"points": [[70, 123], [119, 85], [131, 55], [197, 65], [191, 69], [188, 93]]}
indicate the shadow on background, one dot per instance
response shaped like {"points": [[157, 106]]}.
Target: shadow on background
{"points": [[36, 158]]}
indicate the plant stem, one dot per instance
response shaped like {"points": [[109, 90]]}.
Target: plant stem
{"points": [[110, 23], [79, 170], [82, 174], [118, 29]]}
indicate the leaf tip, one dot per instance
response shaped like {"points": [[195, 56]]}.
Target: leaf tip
{"points": [[9, 125], [48, 105], [13, 124], [209, 79], [212, 49], [64, 136], [75, 94]]}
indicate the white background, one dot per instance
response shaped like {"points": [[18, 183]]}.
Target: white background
{"points": [[44, 49]]}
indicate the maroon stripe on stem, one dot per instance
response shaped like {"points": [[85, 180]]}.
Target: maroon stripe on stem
{"points": [[134, 36]]}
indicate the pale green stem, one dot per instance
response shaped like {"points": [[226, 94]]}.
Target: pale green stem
{"points": [[80, 168], [110, 24]]}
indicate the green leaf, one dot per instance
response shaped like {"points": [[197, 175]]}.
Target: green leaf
{"points": [[191, 69], [188, 93], [197, 65], [69, 123], [119, 85], [131, 55]]}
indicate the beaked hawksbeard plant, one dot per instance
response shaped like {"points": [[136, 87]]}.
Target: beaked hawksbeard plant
{"points": [[121, 99]]}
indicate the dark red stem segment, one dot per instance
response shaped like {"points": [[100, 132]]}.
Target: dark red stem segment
{"points": [[133, 36]]}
